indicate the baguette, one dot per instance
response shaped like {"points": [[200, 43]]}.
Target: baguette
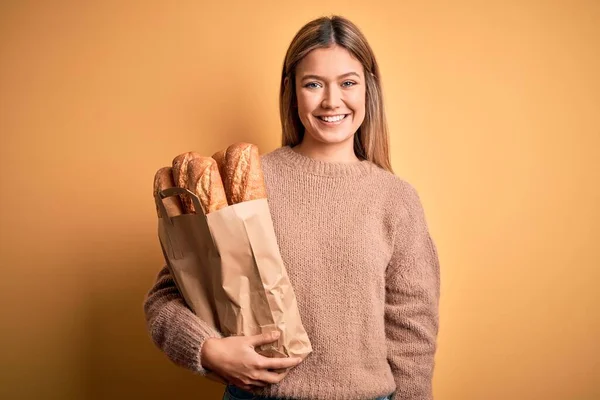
{"points": [[243, 177], [163, 179], [180, 176], [219, 157], [204, 180]]}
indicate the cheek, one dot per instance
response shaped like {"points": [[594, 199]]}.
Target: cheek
{"points": [[307, 105], [357, 101], [303, 110]]}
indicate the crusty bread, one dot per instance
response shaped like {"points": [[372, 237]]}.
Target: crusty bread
{"points": [[244, 178], [163, 179], [219, 157], [205, 181], [180, 176]]}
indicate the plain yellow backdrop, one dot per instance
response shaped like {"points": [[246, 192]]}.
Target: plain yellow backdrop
{"points": [[494, 115]]}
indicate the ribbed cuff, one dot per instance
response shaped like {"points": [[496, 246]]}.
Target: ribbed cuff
{"points": [[198, 368]]}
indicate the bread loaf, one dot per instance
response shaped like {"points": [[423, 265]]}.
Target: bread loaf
{"points": [[219, 157], [163, 179], [243, 176], [180, 176], [204, 180]]}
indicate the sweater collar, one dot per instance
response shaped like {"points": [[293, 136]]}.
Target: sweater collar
{"points": [[324, 168]]}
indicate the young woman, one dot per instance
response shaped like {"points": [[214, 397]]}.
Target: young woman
{"points": [[353, 237]]}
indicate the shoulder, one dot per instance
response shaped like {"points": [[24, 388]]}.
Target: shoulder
{"points": [[398, 189], [271, 155], [271, 158], [403, 201]]}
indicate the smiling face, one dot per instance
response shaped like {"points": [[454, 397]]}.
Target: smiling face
{"points": [[330, 90]]}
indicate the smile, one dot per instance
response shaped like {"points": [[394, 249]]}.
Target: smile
{"points": [[332, 120]]}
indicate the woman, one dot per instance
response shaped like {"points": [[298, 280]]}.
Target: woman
{"points": [[353, 237]]}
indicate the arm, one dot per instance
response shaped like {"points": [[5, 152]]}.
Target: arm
{"points": [[174, 328], [412, 301]]}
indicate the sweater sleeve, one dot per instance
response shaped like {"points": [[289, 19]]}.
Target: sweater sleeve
{"points": [[174, 328], [412, 302]]}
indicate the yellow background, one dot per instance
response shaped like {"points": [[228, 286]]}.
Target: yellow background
{"points": [[494, 116]]}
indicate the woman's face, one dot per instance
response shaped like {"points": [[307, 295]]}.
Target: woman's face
{"points": [[330, 90]]}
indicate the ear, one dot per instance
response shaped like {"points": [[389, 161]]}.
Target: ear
{"points": [[286, 81]]}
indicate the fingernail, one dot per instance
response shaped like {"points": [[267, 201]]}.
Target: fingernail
{"points": [[275, 334]]}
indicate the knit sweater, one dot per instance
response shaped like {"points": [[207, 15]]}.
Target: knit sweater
{"points": [[365, 271]]}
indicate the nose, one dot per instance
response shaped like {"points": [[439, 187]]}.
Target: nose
{"points": [[331, 98]]}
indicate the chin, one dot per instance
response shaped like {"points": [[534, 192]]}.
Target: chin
{"points": [[333, 138]]}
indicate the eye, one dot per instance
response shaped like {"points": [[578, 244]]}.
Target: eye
{"points": [[352, 83], [308, 85]]}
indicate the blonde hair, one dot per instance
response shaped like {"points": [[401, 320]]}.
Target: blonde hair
{"points": [[371, 140]]}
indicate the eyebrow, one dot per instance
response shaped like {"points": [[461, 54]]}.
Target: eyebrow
{"points": [[322, 79]]}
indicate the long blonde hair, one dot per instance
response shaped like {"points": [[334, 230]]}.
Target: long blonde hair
{"points": [[371, 141]]}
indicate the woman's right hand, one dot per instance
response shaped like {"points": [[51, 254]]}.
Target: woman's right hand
{"points": [[235, 359]]}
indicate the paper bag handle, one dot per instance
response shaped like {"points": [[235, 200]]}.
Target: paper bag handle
{"points": [[174, 191]]}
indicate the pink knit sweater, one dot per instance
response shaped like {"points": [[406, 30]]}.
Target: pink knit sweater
{"points": [[365, 271]]}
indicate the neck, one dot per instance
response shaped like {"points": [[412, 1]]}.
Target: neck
{"points": [[337, 152]]}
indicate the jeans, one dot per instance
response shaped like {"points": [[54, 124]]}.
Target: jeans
{"points": [[235, 393]]}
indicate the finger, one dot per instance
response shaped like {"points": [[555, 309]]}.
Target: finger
{"points": [[264, 338], [250, 384], [247, 388], [280, 363], [280, 371], [271, 377]]}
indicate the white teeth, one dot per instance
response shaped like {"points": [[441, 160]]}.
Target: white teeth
{"points": [[333, 119]]}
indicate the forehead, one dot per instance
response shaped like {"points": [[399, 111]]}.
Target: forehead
{"points": [[329, 62]]}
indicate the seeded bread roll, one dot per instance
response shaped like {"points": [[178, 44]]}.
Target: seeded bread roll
{"points": [[180, 176], [163, 179], [244, 179], [205, 181]]}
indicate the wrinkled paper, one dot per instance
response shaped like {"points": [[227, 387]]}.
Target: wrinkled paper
{"points": [[228, 268]]}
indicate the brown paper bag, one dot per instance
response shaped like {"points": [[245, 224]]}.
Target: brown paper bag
{"points": [[229, 270]]}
